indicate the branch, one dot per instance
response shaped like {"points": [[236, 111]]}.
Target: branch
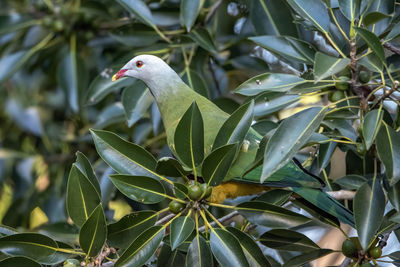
{"points": [[342, 194], [165, 219], [213, 8], [355, 84], [383, 241], [221, 220], [392, 48], [345, 262]]}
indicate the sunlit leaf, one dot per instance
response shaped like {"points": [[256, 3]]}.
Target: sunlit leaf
{"points": [[326, 66], [181, 228]]}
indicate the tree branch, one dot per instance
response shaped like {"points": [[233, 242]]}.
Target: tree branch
{"points": [[392, 48], [165, 219], [342, 194]]}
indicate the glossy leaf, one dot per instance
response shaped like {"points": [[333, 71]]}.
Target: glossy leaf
{"points": [[371, 125], [170, 167], [275, 196], [189, 137], [226, 249], [350, 8], [266, 17], [169, 258], [19, 262], [140, 10], [351, 182], [122, 233], [372, 41], [269, 215], [188, 12], [269, 82], [112, 114], [307, 257], [268, 103], [236, 126], [314, 11], [252, 251], [289, 137], [93, 233], [181, 191], [136, 100], [82, 196], [387, 144], [326, 66], [394, 32], [368, 206], [35, 246], [202, 37], [123, 156], [374, 17], [199, 253], [309, 87], [142, 248], [282, 239], [286, 47], [102, 85], [181, 228], [216, 165], [84, 166], [139, 188]]}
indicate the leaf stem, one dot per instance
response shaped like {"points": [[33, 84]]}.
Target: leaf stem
{"points": [[334, 44], [215, 219], [338, 25]]}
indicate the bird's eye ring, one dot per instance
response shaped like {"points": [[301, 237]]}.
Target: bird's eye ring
{"points": [[139, 63]]}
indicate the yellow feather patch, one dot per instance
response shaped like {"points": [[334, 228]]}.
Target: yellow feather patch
{"points": [[233, 190]]}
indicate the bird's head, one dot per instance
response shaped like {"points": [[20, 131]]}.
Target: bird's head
{"points": [[141, 67]]}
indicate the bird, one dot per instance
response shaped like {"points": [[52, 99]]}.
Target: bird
{"points": [[173, 97]]}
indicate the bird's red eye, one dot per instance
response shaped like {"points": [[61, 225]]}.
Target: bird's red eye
{"points": [[139, 63]]}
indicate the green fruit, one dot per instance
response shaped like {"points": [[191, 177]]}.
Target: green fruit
{"points": [[346, 72], [364, 76], [71, 263], [343, 83], [58, 25], [195, 192], [361, 149], [47, 21], [336, 96], [360, 129], [375, 252], [175, 206], [349, 249], [207, 190], [367, 264]]}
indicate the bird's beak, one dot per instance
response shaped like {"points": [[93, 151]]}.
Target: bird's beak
{"points": [[119, 74]]}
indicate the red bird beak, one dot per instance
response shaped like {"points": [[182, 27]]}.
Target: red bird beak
{"points": [[118, 75]]}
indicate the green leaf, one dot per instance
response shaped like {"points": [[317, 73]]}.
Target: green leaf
{"points": [[202, 37], [268, 103], [269, 215], [266, 17], [93, 233], [307, 257], [275, 196], [136, 100], [373, 42], [350, 9], [71, 76], [394, 195], [372, 63], [189, 137], [269, 82], [169, 258], [19, 262], [236, 126], [282, 239], [142, 248], [226, 249], [170, 167], [314, 11], [371, 126], [216, 165], [189, 11], [373, 17], [11, 63], [394, 32], [387, 145], [309, 87], [196, 82], [181, 191], [286, 47], [326, 66], [351, 182], [289, 137], [84, 166], [144, 189], [110, 115], [35, 246], [121, 233], [199, 253], [368, 207], [102, 85], [252, 251], [123, 156], [15, 22], [181, 228], [82, 196], [140, 10]]}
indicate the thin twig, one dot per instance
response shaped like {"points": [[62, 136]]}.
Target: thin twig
{"points": [[213, 8], [392, 48], [345, 262], [165, 219], [383, 241], [221, 220], [342, 194]]}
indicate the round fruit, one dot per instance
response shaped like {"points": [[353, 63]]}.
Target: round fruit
{"points": [[175, 206], [364, 76], [361, 149], [336, 96], [342, 84], [367, 264], [207, 190], [349, 249], [58, 25], [47, 21], [375, 252], [195, 192]]}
